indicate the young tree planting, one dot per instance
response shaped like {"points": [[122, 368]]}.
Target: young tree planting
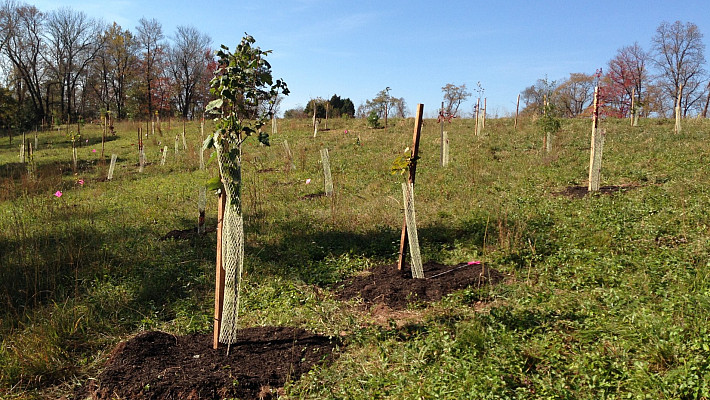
{"points": [[246, 94]]}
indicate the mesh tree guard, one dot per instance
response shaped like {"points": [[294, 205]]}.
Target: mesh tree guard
{"points": [[445, 149], [111, 167], [289, 155], [325, 159], [233, 262], [595, 164], [414, 254], [202, 139]]}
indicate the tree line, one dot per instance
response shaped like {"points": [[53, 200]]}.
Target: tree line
{"points": [[650, 81], [62, 65]]}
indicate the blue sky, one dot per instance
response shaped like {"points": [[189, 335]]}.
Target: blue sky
{"points": [[357, 48]]}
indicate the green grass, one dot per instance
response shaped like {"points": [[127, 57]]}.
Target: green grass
{"points": [[607, 296]]}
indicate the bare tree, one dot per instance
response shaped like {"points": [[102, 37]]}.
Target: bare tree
{"points": [[188, 63], [5, 22], [453, 97], [678, 52], [150, 39], [400, 107], [22, 25], [574, 94], [73, 42], [534, 96], [115, 68]]}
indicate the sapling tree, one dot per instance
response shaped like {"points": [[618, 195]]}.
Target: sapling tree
{"points": [[246, 96], [549, 124]]}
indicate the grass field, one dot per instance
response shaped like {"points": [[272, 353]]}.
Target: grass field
{"points": [[606, 296]]}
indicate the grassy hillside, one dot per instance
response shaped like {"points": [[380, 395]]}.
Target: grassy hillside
{"points": [[606, 296]]}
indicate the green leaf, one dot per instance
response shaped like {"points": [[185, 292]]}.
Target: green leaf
{"points": [[213, 157], [214, 104], [214, 183], [208, 143], [264, 138]]}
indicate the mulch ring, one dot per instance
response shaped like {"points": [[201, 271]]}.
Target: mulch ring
{"points": [[386, 285], [313, 196], [578, 192], [157, 365]]}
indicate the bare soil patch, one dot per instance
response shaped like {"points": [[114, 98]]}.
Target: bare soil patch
{"points": [[158, 365], [396, 289], [578, 192]]}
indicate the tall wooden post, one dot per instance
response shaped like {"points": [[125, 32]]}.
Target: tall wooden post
{"points": [[103, 140], [633, 112], [441, 131], [485, 108], [478, 108], [219, 276], [517, 111], [677, 109], [315, 107], [593, 183], [411, 178]]}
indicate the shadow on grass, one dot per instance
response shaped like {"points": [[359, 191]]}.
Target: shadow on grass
{"points": [[316, 254], [70, 261]]}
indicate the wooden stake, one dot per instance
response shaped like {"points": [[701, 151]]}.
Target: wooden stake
{"points": [[478, 107], [103, 140], [219, 277], [441, 132], [593, 182], [677, 109], [412, 176], [315, 107], [485, 107], [517, 111], [632, 113], [184, 143]]}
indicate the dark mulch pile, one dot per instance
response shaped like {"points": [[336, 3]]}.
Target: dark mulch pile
{"points": [[157, 365], [578, 192], [313, 196], [385, 284]]}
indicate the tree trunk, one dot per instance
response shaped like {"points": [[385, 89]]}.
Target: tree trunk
{"points": [[707, 102]]}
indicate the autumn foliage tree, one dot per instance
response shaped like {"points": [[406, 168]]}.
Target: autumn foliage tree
{"points": [[629, 76]]}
